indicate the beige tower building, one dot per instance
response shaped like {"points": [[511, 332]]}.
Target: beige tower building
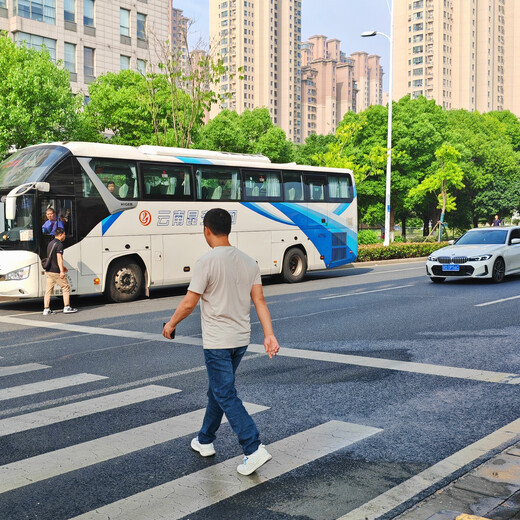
{"points": [[259, 42], [179, 35], [333, 84], [91, 37], [461, 53]]}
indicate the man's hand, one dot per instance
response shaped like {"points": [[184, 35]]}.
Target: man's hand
{"points": [[271, 346], [167, 330], [62, 274]]}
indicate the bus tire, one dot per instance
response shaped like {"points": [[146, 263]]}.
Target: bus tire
{"points": [[125, 281], [294, 265]]}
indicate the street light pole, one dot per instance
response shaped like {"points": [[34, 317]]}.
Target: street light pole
{"points": [[390, 38]]}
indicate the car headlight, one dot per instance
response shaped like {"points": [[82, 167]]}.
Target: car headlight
{"points": [[479, 258], [19, 274], [432, 258]]}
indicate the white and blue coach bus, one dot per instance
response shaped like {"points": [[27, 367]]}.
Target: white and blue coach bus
{"points": [[133, 216]]}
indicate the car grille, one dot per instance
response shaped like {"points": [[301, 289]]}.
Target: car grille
{"points": [[452, 259], [465, 270]]}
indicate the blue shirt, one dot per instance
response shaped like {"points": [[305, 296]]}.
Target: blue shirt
{"points": [[51, 225]]}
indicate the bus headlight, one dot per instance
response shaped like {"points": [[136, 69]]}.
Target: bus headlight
{"points": [[19, 274]]}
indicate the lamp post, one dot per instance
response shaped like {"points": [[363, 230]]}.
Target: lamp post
{"points": [[390, 38]]}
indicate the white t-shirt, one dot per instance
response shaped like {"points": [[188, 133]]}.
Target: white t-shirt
{"points": [[224, 278]]}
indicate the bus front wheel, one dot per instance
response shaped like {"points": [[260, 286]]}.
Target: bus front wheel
{"points": [[294, 265], [125, 281]]}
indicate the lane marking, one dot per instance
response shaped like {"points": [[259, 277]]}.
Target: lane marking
{"points": [[407, 490], [365, 292], [81, 409], [209, 486], [317, 355], [389, 271], [21, 369], [498, 301], [47, 386], [37, 342], [107, 390], [65, 460]]}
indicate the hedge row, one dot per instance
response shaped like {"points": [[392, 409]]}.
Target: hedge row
{"points": [[373, 252]]}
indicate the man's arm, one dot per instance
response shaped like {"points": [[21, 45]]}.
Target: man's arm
{"points": [[270, 342], [185, 308], [63, 269]]}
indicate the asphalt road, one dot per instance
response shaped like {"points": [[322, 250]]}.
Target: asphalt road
{"points": [[381, 376]]}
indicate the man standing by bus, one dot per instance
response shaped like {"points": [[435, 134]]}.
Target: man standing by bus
{"points": [[226, 280], [55, 273], [52, 223]]}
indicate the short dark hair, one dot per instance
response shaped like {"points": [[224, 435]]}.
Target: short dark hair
{"points": [[218, 221], [111, 182], [59, 231]]}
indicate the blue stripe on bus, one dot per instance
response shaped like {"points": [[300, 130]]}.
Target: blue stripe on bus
{"points": [[341, 208], [262, 211], [193, 160], [107, 222]]}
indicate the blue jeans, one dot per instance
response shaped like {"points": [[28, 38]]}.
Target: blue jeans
{"points": [[221, 365]]}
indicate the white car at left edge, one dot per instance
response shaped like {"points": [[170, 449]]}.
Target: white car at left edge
{"points": [[490, 252]]}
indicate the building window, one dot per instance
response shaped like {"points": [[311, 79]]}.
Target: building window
{"points": [[39, 10], [88, 61], [70, 57], [141, 66], [70, 11], [34, 41], [124, 22], [88, 12], [141, 26], [124, 62], [3, 3]]}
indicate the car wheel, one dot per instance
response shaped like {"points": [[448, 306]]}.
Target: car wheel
{"points": [[125, 281], [437, 279], [499, 270], [294, 265]]}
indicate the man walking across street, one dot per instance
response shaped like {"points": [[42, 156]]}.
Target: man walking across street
{"points": [[226, 280], [55, 274]]}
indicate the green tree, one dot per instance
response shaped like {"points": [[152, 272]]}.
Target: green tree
{"points": [[314, 146], [36, 101], [448, 176]]}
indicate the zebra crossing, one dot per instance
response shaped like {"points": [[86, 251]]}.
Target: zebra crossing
{"points": [[179, 497]]}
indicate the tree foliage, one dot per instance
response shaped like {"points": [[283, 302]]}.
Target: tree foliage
{"points": [[36, 101]]}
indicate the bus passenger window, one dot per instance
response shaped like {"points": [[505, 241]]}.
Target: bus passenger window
{"points": [[121, 175], [293, 186], [340, 188], [262, 185], [165, 182], [217, 183], [315, 185]]}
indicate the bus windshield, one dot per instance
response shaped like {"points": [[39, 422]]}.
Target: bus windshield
{"points": [[18, 233], [29, 165]]}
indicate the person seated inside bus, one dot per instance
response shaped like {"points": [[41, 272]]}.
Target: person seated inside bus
{"points": [[52, 223], [112, 188]]}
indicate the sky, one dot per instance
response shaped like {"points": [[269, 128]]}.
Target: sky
{"points": [[342, 19]]}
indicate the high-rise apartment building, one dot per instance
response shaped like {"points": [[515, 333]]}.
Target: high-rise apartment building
{"points": [[91, 37], [259, 42], [179, 36], [461, 53], [333, 84]]}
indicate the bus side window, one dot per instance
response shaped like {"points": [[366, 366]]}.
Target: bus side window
{"points": [[121, 174], [293, 186], [217, 183], [315, 187], [166, 182], [340, 188]]}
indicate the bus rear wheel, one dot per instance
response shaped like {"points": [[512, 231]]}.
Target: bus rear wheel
{"points": [[294, 265], [125, 281]]}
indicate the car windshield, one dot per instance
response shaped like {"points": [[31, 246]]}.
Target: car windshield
{"points": [[483, 236]]}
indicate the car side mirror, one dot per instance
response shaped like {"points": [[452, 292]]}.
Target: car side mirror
{"points": [[515, 241], [451, 242]]}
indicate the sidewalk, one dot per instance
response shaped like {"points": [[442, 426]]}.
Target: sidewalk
{"points": [[489, 492]]}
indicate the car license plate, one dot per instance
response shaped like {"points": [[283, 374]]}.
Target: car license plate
{"points": [[451, 267]]}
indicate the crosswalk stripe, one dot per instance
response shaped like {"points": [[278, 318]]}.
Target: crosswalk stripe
{"points": [[20, 369], [211, 485], [484, 376], [66, 412], [58, 462], [47, 386]]}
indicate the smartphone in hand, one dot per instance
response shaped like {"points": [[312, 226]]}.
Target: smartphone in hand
{"points": [[173, 333]]}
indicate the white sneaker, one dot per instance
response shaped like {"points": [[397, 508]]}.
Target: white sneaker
{"points": [[254, 461], [206, 450], [46, 312], [69, 310]]}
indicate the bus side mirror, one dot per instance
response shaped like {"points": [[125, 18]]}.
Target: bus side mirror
{"points": [[10, 207], [43, 186]]}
